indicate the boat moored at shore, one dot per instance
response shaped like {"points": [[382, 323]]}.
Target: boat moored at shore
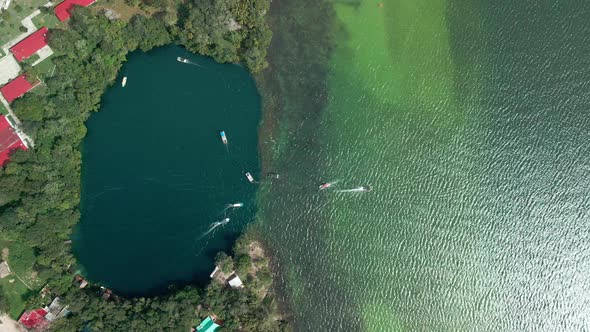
{"points": [[249, 177]]}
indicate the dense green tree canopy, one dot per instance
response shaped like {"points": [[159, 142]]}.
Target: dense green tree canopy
{"points": [[40, 188]]}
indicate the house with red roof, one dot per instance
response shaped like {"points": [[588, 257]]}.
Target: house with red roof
{"points": [[40, 319], [63, 10], [16, 88], [9, 141], [35, 320], [30, 45]]}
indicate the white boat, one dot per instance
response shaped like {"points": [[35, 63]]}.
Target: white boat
{"points": [[124, 82], [249, 177], [183, 60], [223, 137], [236, 205]]}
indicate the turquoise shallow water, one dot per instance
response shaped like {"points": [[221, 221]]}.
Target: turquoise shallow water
{"points": [[156, 174], [470, 122]]}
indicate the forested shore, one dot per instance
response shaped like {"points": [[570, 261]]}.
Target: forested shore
{"points": [[40, 188]]}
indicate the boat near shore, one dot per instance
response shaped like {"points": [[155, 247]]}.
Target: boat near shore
{"points": [[124, 81], [249, 177], [183, 60]]}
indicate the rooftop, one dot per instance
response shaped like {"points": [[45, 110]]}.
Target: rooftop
{"points": [[16, 88], [63, 10], [208, 325], [235, 281], [34, 319], [9, 141], [30, 45]]}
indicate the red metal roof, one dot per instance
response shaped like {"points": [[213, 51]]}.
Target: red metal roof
{"points": [[34, 319], [63, 10], [30, 45], [16, 88], [9, 141]]}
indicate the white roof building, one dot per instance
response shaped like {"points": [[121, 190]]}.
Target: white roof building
{"points": [[235, 281]]}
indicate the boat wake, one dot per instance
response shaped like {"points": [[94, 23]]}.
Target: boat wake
{"points": [[215, 225], [328, 185], [187, 61], [355, 190]]}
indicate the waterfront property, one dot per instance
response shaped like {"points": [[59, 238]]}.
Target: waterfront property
{"points": [[80, 282], [235, 281], [232, 279]]}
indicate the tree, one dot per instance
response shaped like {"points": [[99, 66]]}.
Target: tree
{"points": [[243, 265], [40, 188], [31, 107], [225, 263], [148, 32]]}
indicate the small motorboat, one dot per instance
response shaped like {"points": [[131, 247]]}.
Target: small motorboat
{"points": [[236, 205], [326, 185], [124, 81], [183, 60], [223, 137], [249, 177], [366, 188]]}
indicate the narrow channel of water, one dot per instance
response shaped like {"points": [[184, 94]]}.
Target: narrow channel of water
{"points": [[156, 174]]}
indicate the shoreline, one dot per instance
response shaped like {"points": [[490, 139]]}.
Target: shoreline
{"points": [[58, 260], [293, 98]]}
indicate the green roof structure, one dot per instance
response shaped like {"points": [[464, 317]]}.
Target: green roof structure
{"points": [[208, 325]]}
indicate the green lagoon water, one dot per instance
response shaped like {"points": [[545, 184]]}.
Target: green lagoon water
{"points": [[470, 120], [156, 174]]}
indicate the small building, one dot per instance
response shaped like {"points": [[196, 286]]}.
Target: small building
{"points": [[80, 282], [4, 4], [34, 320], [235, 281], [63, 11], [105, 293], [16, 88], [9, 141], [56, 310], [40, 319], [208, 325], [30, 45], [4, 270], [214, 271]]}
